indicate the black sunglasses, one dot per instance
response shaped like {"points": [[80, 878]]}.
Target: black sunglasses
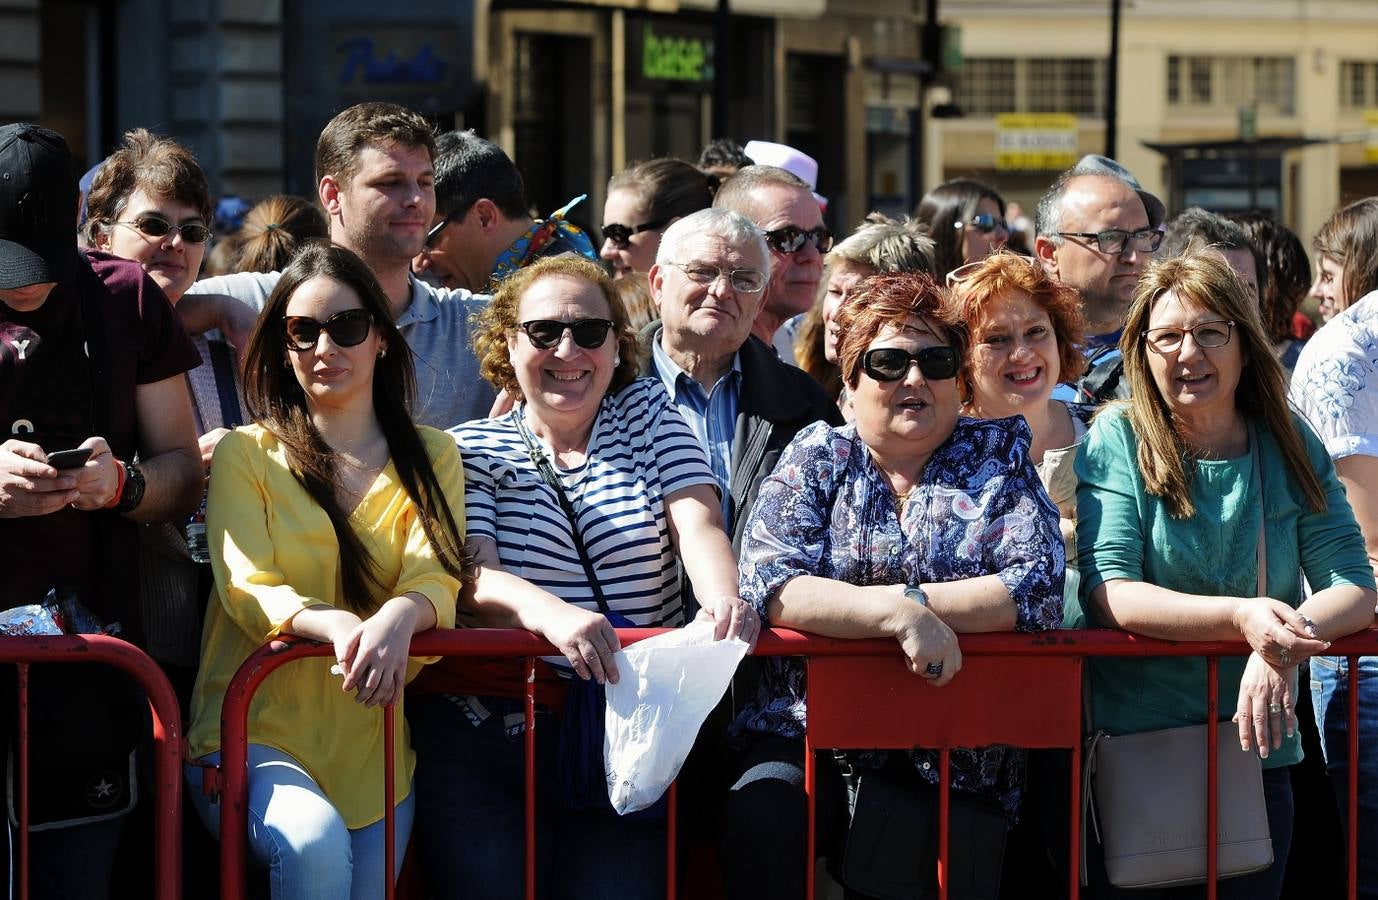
{"points": [[621, 235], [546, 333], [347, 329], [792, 238], [157, 226], [892, 363], [986, 223]]}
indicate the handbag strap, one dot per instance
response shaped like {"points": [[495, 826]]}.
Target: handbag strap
{"points": [[549, 476], [223, 365], [1262, 549]]}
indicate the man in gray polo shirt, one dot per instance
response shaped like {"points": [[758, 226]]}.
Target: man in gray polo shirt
{"points": [[374, 165]]}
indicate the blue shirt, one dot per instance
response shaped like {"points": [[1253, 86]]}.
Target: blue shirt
{"points": [[826, 510], [712, 416]]}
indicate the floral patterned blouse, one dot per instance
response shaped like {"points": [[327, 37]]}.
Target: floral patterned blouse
{"points": [[980, 510]]}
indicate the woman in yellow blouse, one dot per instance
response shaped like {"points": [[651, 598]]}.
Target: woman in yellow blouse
{"points": [[333, 518]]}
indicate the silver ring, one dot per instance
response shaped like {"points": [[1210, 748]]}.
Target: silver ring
{"points": [[1275, 709], [1286, 657], [933, 669]]}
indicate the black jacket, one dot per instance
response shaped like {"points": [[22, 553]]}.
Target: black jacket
{"points": [[776, 401]]}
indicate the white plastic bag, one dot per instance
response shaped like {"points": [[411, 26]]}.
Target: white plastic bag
{"points": [[669, 684]]}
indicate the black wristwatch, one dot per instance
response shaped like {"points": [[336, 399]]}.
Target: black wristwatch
{"points": [[133, 493]]}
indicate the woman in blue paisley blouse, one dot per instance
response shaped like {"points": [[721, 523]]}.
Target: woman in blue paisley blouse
{"points": [[909, 523]]}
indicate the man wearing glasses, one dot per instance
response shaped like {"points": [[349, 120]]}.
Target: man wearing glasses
{"points": [[742, 402], [482, 231], [783, 207], [1096, 233]]}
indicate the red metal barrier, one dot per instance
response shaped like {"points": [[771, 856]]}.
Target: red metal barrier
{"points": [[167, 741], [855, 689]]}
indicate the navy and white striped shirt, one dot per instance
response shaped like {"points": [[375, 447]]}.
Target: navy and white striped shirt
{"points": [[640, 452]]}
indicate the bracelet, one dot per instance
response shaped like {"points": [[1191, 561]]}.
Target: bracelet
{"points": [[119, 486]]}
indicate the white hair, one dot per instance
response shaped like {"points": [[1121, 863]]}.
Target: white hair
{"points": [[732, 227]]}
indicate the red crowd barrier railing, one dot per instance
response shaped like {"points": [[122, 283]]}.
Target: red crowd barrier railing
{"points": [[1017, 689], [167, 740]]}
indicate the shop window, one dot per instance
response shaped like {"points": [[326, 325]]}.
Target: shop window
{"points": [[1358, 84], [987, 86], [1223, 83]]}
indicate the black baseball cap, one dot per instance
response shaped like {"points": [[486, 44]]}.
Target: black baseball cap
{"points": [[38, 203]]}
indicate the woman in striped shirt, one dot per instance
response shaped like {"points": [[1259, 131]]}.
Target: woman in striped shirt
{"points": [[579, 503]]}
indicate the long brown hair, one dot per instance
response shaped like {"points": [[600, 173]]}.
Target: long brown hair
{"points": [[1204, 277], [277, 402], [1350, 238]]}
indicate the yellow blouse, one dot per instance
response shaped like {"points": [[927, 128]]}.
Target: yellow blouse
{"points": [[274, 553]]}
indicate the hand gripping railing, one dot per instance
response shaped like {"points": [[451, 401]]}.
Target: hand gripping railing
{"points": [[1018, 689], [167, 741]]}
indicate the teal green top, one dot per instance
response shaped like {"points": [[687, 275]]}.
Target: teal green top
{"points": [[1122, 532]]}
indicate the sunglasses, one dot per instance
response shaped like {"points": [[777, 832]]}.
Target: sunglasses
{"points": [[1115, 240], [986, 223], [892, 363], [621, 235], [546, 333], [157, 226], [434, 234], [792, 238], [347, 329]]}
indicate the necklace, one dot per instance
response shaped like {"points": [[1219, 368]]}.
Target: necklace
{"points": [[902, 500]]}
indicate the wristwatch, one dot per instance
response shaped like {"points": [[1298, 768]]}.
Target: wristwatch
{"points": [[915, 592], [134, 484]]}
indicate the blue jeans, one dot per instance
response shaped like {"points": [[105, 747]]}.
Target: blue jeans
{"points": [[297, 833], [1330, 697], [470, 813]]}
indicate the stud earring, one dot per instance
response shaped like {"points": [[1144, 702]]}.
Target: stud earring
{"points": [[382, 353], [617, 360]]}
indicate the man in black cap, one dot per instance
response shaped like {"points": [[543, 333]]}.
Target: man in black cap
{"points": [[92, 360]]}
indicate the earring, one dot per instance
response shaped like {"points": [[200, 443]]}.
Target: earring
{"points": [[287, 364], [382, 353], [617, 360]]}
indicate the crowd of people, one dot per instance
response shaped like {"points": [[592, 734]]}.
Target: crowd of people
{"points": [[414, 404]]}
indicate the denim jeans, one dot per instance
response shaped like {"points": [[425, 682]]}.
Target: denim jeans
{"points": [[1330, 697], [470, 833], [296, 832]]}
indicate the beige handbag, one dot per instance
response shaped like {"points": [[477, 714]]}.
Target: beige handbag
{"points": [[1150, 795]]}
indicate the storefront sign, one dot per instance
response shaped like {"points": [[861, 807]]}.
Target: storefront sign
{"points": [[394, 60], [662, 53], [1371, 145], [1035, 141]]}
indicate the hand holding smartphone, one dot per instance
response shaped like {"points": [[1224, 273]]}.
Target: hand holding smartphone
{"points": [[69, 459]]}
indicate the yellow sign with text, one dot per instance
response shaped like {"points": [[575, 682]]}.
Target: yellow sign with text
{"points": [[1371, 143], [1035, 141]]}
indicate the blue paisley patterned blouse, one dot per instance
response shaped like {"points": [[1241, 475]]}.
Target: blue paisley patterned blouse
{"points": [[827, 510]]}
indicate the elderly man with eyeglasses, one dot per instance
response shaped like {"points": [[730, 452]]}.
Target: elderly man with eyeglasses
{"points": [[1097, 230], [783, 207], [710, 280]]}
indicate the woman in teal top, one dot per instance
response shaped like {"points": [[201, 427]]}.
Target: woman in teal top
{"points": [[1175, 485]]}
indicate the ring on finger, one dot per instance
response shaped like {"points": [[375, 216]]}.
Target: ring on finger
{"points": [[1274, 709], [933, 669], [1285, 656]]}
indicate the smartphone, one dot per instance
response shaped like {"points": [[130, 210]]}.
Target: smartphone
{"points": [[69, 459]]}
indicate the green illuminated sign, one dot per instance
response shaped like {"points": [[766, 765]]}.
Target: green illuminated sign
{"points": [[675, 57]]}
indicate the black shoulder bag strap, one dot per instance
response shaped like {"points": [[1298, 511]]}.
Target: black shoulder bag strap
{"points": [[549, 476], [222, 364]]}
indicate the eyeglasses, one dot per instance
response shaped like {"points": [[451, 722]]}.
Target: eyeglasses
{"points": [[985, 223], [621, 235], [1114, 240], [1215, 333], [157, 226], [434, 233], [747, 281], [347, 329], [791, 239], [892, 363], [546, 333], [965, 272]]}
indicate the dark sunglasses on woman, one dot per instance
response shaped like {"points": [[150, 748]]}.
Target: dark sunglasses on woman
{"points": [[892, 363], [156, 226], [546, 333], [346, 329], [986, 223], [621, 235], [792, 238]]}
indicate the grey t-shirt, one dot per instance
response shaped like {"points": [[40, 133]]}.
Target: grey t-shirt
{"points": [[449, 389]]}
